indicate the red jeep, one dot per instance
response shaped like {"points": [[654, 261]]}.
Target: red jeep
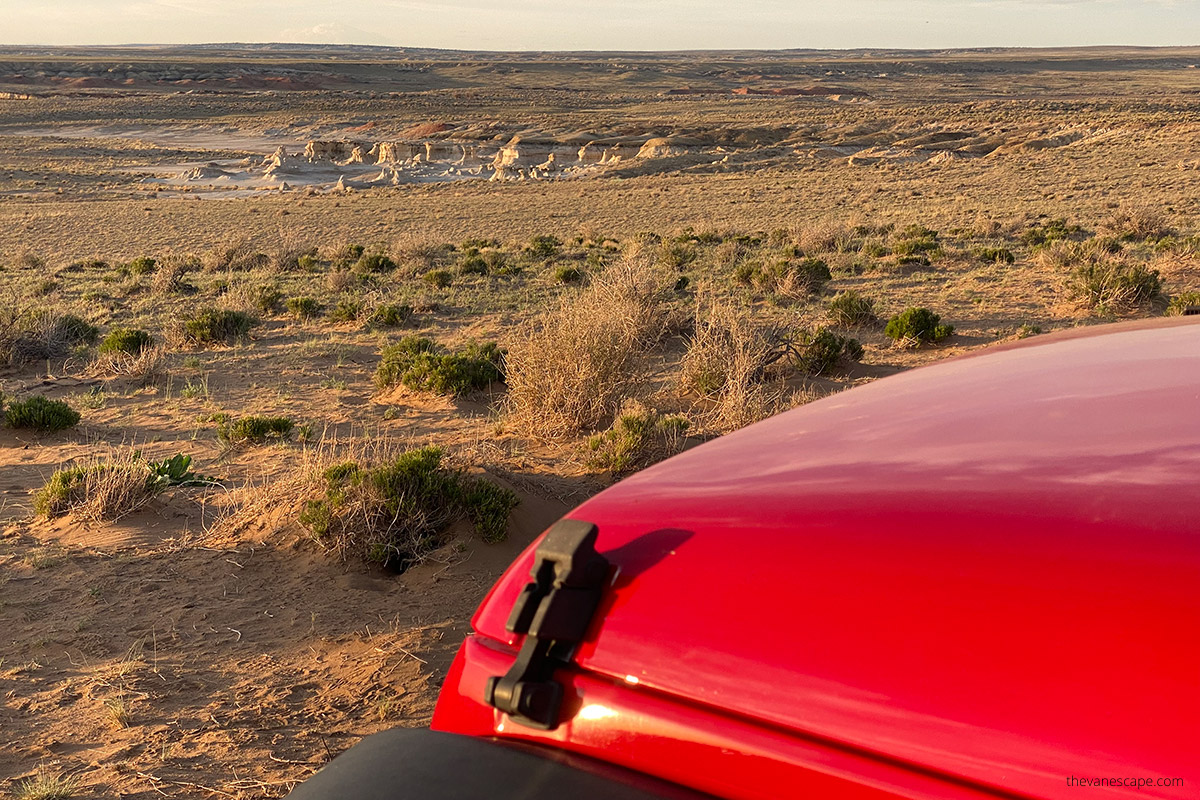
{"points": [[979, 579]]}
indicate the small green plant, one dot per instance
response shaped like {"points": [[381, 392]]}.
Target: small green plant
{"points": [[1180, 303], [472, 263], [254, 430], [265, 298], [567, 273], [1114, 285], [346, 310], [1026, 330], [915, 326], [543, 247], [374, 263], [126, 340], [77, 330], [819, 351], [439, 278], [1050, 231], [390, 315], [218, 326], [177, 471], [851, 309], [994, 255], [638, 437], [41, 414], [141, 266], [303, 307], [875, 249], [395, 513], [421, 364]]}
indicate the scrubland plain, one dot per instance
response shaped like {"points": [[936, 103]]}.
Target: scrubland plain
{"points": [[300, 346]]}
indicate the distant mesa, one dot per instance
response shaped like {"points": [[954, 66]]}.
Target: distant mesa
{"points": [[832, 92]]}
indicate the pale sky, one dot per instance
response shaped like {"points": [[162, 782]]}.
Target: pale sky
{"points": [[608, 24]]}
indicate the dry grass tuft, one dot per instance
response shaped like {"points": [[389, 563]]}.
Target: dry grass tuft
{"points": [[236, 252], [146, 366], [726, 364], [45, 785], [1137, 223], [575, 367], [101, 488]]}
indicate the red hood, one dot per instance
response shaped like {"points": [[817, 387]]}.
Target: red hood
{"points": [[987, 567]]}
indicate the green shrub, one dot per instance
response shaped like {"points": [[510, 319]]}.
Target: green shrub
{"points": [[254, 430], [1114, 286], [479, 244], [852, 309], [266, 298], [67, 329], [567, 273], [543, 246], [1026, 330], [676, 255], [1050, 231], [346, 310], [420, 364], [875, 249], [126, 340], [390, 315], [915, 326], [369, 263], [638, 437], [994, 255], [440, 278], [303, 307], [1180, 303], [141, 266], [40, 414], [396, 513], [472, 263], [214, 326], [819, 351]]}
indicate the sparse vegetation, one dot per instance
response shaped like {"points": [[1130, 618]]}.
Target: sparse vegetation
{"points": [[390, 315], [254, 430], [396, 512], [1183, 301], [994, 255], [638, 437], [439, 278], [303, 307], [45, 785], [101, 489], [1114, 285]]}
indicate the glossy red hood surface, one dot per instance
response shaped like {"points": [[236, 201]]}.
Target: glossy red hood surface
{"points": [[989, 567]]}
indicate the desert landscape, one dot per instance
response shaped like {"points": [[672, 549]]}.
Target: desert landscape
{"points": [[300, 346]]}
